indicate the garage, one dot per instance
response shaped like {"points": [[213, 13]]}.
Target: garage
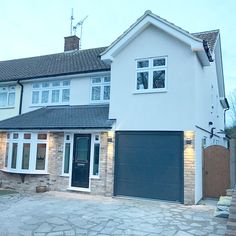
{"points": [[149, 164]]}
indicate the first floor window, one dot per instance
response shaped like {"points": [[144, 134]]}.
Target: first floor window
{"points": [[26, 152], [151, 74], [7, 96], [51, 92], [100, 89]]}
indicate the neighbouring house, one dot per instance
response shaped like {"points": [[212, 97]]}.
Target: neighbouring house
{"points": [[130, 119]]}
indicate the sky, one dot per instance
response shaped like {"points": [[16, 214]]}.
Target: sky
{"points": [[38, 27]]}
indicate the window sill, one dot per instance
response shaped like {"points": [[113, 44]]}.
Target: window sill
{"points": [[100, 102], [65, 175], [25, 172], [10, 107], [150, 91], [95, 177]]}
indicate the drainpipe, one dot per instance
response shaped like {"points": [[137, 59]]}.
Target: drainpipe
{"points": [[21, 95]]}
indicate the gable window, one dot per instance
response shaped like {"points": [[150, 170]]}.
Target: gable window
{"points": [[100, 89], [51, 93], [7, 96], [151, 75], [26, 152]]}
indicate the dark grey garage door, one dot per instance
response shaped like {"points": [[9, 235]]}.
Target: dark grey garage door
{"points": [[149, 165]]}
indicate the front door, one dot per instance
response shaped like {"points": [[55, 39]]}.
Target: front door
{"points": [[81, 161]]}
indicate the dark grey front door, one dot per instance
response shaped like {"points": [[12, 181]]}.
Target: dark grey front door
{"points": [[81, 161]]}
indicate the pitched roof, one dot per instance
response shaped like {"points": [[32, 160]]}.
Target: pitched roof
{"points": [[209, 36], [61, 117], [73, 62]]}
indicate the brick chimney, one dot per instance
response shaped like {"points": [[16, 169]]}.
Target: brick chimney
{"points": [[71, 43]]}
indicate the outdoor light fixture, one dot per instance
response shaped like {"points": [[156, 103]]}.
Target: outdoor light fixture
{"points": [[189, 142], [109, 140]]}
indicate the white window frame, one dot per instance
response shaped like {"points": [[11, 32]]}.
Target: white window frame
{"points": [[101, 84], [93, 142], [150, 69], [50, 88], [11, 89], [70, 141], [34, 141]]}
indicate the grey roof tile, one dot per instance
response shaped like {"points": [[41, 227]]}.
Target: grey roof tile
{"points": [[61, 117], [209, 36], [73, 62]]}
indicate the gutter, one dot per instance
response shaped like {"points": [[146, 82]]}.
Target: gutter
{"points": [[21, 96]]}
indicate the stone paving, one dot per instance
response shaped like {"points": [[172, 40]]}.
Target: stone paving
{"points": [[68, 214]]}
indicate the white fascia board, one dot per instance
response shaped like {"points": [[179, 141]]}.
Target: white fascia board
{"points": [[195, 43]]}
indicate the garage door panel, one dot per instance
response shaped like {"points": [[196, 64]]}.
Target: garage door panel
{"points": [[158, 190], [149, 164], [136, 172]]}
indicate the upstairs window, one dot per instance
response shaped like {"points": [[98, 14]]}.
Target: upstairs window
{"points": [[100, 89], [151, 75], [50, 93], [7, 96]]}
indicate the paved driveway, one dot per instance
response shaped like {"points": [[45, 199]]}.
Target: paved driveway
{"points": [[58, 213]]}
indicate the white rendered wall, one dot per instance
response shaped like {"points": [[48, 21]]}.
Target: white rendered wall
{"points": [[171, 110]]}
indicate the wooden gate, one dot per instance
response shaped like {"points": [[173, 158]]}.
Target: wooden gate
{"points": [[216, 171]]}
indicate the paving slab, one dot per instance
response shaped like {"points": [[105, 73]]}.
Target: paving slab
{"points": [[66, 213]]}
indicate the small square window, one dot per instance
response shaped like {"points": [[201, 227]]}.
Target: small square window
{"points": [[107, 79], [143, 64], [27, 136], [66, 83], [42, 136], [67, 137], [8, 135], [15, 136], [55, 83], [96, 80], [36, 85], [45, 84], [159, 62]]}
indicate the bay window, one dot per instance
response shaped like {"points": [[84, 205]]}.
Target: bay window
{"points": [[151, 75], [50, 93], [26, 152]]}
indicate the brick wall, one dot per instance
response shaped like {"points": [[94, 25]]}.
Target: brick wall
{"points": [[54, 181], [189, 169]]}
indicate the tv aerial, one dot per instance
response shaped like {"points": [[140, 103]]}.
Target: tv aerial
{"points": [[73, 28]]}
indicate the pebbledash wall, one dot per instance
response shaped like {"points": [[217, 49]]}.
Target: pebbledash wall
{"points": [[54, 180]]}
